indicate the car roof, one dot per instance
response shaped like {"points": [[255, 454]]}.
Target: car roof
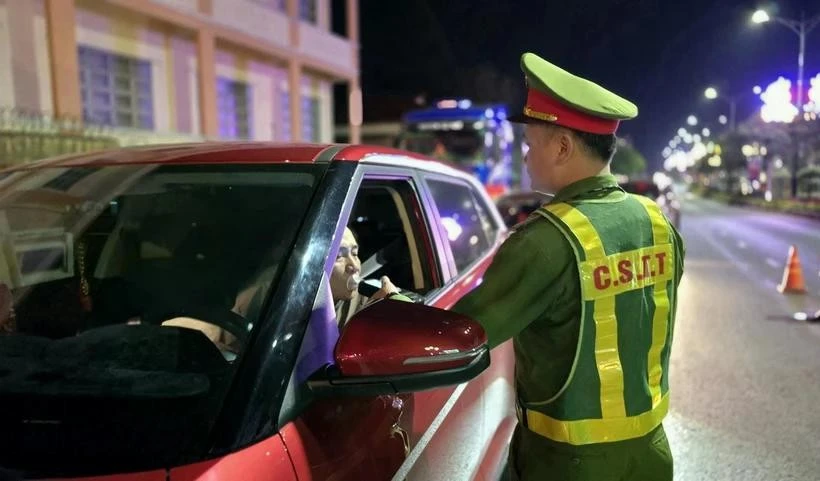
{"points": [[255, 152], [523, 195], [226, 153]]}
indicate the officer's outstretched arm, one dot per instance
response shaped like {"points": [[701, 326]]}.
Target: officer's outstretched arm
{"points": [[520, 285]]}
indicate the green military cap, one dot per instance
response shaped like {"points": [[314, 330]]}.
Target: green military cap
{"points": [[558, 97]]}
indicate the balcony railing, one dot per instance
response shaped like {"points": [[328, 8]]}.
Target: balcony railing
{"points": [[26, 136]]}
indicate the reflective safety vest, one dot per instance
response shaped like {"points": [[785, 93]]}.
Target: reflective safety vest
{"points": [[618, 386]]}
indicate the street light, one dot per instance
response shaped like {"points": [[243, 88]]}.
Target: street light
{"points": [[801, 28], [760, 16], [692, 120], [711, 93]]}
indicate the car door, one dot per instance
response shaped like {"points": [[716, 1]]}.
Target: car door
{"points": [[372, 438], [469, 435]]}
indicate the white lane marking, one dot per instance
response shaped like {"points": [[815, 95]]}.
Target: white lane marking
{"points": [[772, 263], [814, 328], [727, 253], [741, 244]]}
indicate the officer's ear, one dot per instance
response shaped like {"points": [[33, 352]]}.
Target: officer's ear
{"points": [[565, 145]]}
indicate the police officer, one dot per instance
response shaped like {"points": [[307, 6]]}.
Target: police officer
{"points": [[586, 287]]}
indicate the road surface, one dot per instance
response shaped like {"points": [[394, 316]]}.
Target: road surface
{"points": [[745, 375]]}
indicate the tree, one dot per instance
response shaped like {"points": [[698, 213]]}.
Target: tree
{"points": [[731, 151], [809, 178], [628, 160], [733, 161]]}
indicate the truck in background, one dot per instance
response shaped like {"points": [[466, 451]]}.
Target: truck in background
{"points": [[478, 138]]}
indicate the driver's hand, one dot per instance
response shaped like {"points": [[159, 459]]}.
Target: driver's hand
{"points": [[387, 289]]}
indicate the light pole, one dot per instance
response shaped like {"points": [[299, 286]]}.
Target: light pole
{"points": [[712, 93], [801, 28]]}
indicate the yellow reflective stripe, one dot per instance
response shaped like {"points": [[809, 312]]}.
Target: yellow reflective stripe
{"points": [[607, 358], [660, 321], [589, 431]]}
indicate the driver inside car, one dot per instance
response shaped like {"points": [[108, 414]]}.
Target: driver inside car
{"points": [[344, 281], [249, 294]]}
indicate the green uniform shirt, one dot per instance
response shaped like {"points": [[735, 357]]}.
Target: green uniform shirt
{"points": [[531, 293]]}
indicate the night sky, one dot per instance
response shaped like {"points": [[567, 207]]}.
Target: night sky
{"points": [[661, 54]]}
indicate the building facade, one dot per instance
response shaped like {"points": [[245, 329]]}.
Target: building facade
{"points": [[154, 70]]}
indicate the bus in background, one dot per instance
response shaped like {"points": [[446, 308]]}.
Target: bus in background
{"points": [[478, 138]]}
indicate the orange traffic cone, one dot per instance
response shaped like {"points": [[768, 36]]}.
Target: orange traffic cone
{"points": [[793, 282]]}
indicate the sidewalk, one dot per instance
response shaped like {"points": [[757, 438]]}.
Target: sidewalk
{"points": [[810, 209], [803, 208]]}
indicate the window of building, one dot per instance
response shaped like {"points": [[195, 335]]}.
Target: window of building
{"points": [[278, 5], [115, 89], [285, 109], [465, 221], [234, 105], [308, 11], [338, 17], [311, 119]]}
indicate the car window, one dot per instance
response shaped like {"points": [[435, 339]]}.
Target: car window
{"points": [[465, 220], [393, 240]]}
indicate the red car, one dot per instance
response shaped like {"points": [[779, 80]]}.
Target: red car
{"points": [[515, 207], [666, 198], [108, 259]]}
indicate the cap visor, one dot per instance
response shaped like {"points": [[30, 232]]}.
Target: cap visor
{"points": [[523, 119], [520, 118]]}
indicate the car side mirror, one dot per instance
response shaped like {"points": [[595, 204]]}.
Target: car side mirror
{"points": [[394, 347]]}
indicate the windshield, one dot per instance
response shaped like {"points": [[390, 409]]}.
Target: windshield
{"points": [[127, 294], [461, 146]]}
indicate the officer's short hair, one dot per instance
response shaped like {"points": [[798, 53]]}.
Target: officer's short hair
{"points": [[602, 146]]}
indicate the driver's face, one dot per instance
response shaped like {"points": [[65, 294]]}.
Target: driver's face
{"points": [[346, 266]]}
